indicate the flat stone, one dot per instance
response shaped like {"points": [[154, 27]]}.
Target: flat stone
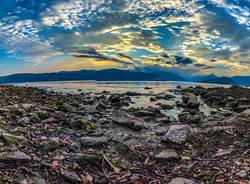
{"points": [[127, 120], [93, 141], [168, 154], [8, 138], [182, 181], [246, 113], [14, 156], [49, 121], [178, 134]]}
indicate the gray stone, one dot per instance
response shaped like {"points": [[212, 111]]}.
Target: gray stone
{"points": [[16, 156], [24, 121], [178, 134], [246, 113], [127, 120], [93, 141], [168, 154], [182, 181], [243, 174], [191, 100], [49, 121]]}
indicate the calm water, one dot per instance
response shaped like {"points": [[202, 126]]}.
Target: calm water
{"points": [[114, 87], [123, 87]]}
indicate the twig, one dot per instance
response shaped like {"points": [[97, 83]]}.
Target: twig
{"points": [[116, 169], [15, 173]]}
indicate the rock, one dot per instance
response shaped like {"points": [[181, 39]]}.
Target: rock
{"points": [[242, 105], [182, 181], [242, 174], [83, 124], [164, 96], [168, 154], [143, 113], [42, 114], [127, 120], [50, 145], [191, 100], [166, 107], [8, 139], [24, 121], [246, 113], [27, 107], [152, 99], [114, 98], [221, 152], [131, 93], [49, 121], [189, 118], [65, 107], [178, 134], [16, 156], [147, 88], [93, 141], [92, 159], [72, 177]]}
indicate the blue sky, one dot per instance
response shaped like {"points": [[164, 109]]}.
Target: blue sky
{"points": [[202, 36]]}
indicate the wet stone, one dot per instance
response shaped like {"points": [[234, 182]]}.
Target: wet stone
{"points": [[178, 134]]}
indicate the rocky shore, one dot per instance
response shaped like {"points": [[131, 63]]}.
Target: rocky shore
{"points": [[48, 137]]}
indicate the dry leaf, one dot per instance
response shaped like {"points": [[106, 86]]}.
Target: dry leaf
{"points": [[138, 182], [55, 166]]}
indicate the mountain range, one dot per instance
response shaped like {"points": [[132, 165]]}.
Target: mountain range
{"points": [[122, 75]]}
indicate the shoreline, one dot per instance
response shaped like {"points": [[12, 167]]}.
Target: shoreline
{"points": [[102, 138]]}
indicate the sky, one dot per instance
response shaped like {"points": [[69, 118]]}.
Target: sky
{"points": [[197, 36]]}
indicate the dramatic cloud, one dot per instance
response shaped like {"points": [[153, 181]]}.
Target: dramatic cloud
{"points": [[205, 36]]}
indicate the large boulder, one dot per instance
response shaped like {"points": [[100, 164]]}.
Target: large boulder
{"points": [[178, 134], [127, 120]]}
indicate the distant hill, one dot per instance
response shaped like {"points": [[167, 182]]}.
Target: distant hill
{"points": [[242, 80], [122, 75], [99, 75], [220, 80], [200, 78]]}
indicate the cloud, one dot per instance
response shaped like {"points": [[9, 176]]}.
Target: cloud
{"points": [[210, 36]]}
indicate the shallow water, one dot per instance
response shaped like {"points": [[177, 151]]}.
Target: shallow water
{"points": [[96, 87], [113, 87]]}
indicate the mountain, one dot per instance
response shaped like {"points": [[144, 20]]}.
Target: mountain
{"points": [[242, 80], [200, 78], [220, 80], [99, 75]]}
